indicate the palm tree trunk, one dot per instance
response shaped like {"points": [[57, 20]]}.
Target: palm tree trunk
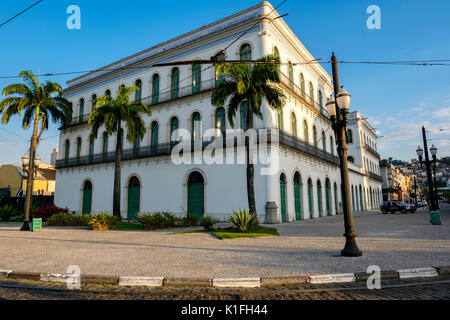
{"points": [[250, 166], [117, 176], [29, 191]]}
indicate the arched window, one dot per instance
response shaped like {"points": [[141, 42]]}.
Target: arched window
{"points": [[78, 150], [174, 83], [280, 118], [91, 149], [351, 159], [331, 145], [276, 53], [319, 198], [294, 124], [298, 196], [219, 77], [138, 93], [94, 102], [196, 78], [105, 146], [291, 75], [302, 85], [311, 93], [361, 204], [315, 136], [305, 131], [310, 199], [173, 127], [336, 206], [196, 194], [136, 144], [220, 122], [196, 127], [134, 198], [155, 88], [328, 196], [81, 111], [244, 115], [108, 93], [349, 136], [66, 152], [245, 53], [324, 141], [320, 99], [283, 197], [87, 198], [154, 138]]}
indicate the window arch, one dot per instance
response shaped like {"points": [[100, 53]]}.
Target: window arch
{"points": [[298, 197], [310, 199], [220, 122], [219, 77], [196, 123], [293, 124], [81, 110], [328, 196], [196, 78], [320, 99], [134, 197], [245, 52], [154, 137], [351, 159], [331, 145], [349, 136], [78, 155], [283, 197], [174, 83], [173, 127], [305, 131], [319, 198], [108, 93], [302, 85], [86, 207], [324, 141], [315, 136], [94, 101], [155, 88], [291, 75], [138, 93], [91, 149], [311, 93], [66, 152], [196, 194]]}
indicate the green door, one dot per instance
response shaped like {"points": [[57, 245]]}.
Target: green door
{"points": [[327, 199], [283, 198], [196, 199], [134, 197], [319, 199], [336, 199], [310, 200], [87, 198], [297, 200]]}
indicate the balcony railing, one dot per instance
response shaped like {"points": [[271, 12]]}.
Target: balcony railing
{"points": [[302, 94], [165, 149], [374, 176], [371, 150]]}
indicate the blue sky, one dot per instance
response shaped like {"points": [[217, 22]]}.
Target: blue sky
{"points": [[397, 100]]}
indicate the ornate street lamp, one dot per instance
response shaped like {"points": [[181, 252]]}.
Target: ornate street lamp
{"points": [[433, 151], [434, 209], [338, 111]]}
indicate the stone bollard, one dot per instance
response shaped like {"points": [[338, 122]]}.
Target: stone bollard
{"points": [[272, 213]]}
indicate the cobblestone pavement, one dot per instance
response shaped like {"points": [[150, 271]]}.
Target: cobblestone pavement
{"points": [[417, 289], [393, 241]]}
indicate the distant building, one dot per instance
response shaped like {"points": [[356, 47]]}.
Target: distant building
{"points": [[54, 157]]}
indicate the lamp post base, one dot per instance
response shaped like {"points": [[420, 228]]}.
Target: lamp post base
{"points": [[25, 226], [435, 218], [350, 249]]}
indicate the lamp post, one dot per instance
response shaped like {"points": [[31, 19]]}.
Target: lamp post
{"points": [[30, 168], [338, 110], [433, 151], [434, 213]]}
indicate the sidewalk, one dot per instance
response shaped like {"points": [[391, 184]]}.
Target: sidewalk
{"points": [[303, 248]]}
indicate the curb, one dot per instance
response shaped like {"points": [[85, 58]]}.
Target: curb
{"points": [[226, 282]]}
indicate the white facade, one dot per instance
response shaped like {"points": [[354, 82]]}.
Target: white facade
{"points": [[164, 185]]}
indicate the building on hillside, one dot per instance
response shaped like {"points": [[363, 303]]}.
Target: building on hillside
{"points": [[305, 184], [397, 185], [14, 179], [364, 168]]}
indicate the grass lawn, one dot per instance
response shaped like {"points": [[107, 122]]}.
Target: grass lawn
{"points": [[128, 226], [234, 234]]}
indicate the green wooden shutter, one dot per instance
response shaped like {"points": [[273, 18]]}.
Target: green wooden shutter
{"points": [[319, 199], [173, 128], [78, 150], [175, 83], [155, 89], [196, 78], [154, 143], [81, 112], [297, 200], [328, 200], [91, 150], [335, 199], [67, 152], [310, 200]]}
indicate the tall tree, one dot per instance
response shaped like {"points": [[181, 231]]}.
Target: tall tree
{"points": [[38, 103], [250, 84], [112, 113]]}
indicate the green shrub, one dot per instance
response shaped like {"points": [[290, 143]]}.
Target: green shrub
{"points": [[66, 219], [243, 221], [190, 220], [102, 221], [7, 212], [158, 220], [207, 222]]}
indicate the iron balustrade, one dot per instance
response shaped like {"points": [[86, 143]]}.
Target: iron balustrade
{"points": [[374, 175], [371, 150], [164, 149]]}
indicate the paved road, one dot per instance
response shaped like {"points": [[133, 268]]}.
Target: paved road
{"points": [[417, 289], [304, 248]]}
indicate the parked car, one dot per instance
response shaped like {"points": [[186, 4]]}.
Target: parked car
{"points": [[421, 204], [393, 206]]}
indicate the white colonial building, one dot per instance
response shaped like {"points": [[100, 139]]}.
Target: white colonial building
{"points": [[363, 164], [306, 183]]}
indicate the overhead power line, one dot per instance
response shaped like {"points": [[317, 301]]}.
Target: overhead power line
{"points": [[23, 11]]}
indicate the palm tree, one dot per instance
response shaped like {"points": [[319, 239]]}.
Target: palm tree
{"points": [[250, 85], [112, 113], [38, 103]]}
